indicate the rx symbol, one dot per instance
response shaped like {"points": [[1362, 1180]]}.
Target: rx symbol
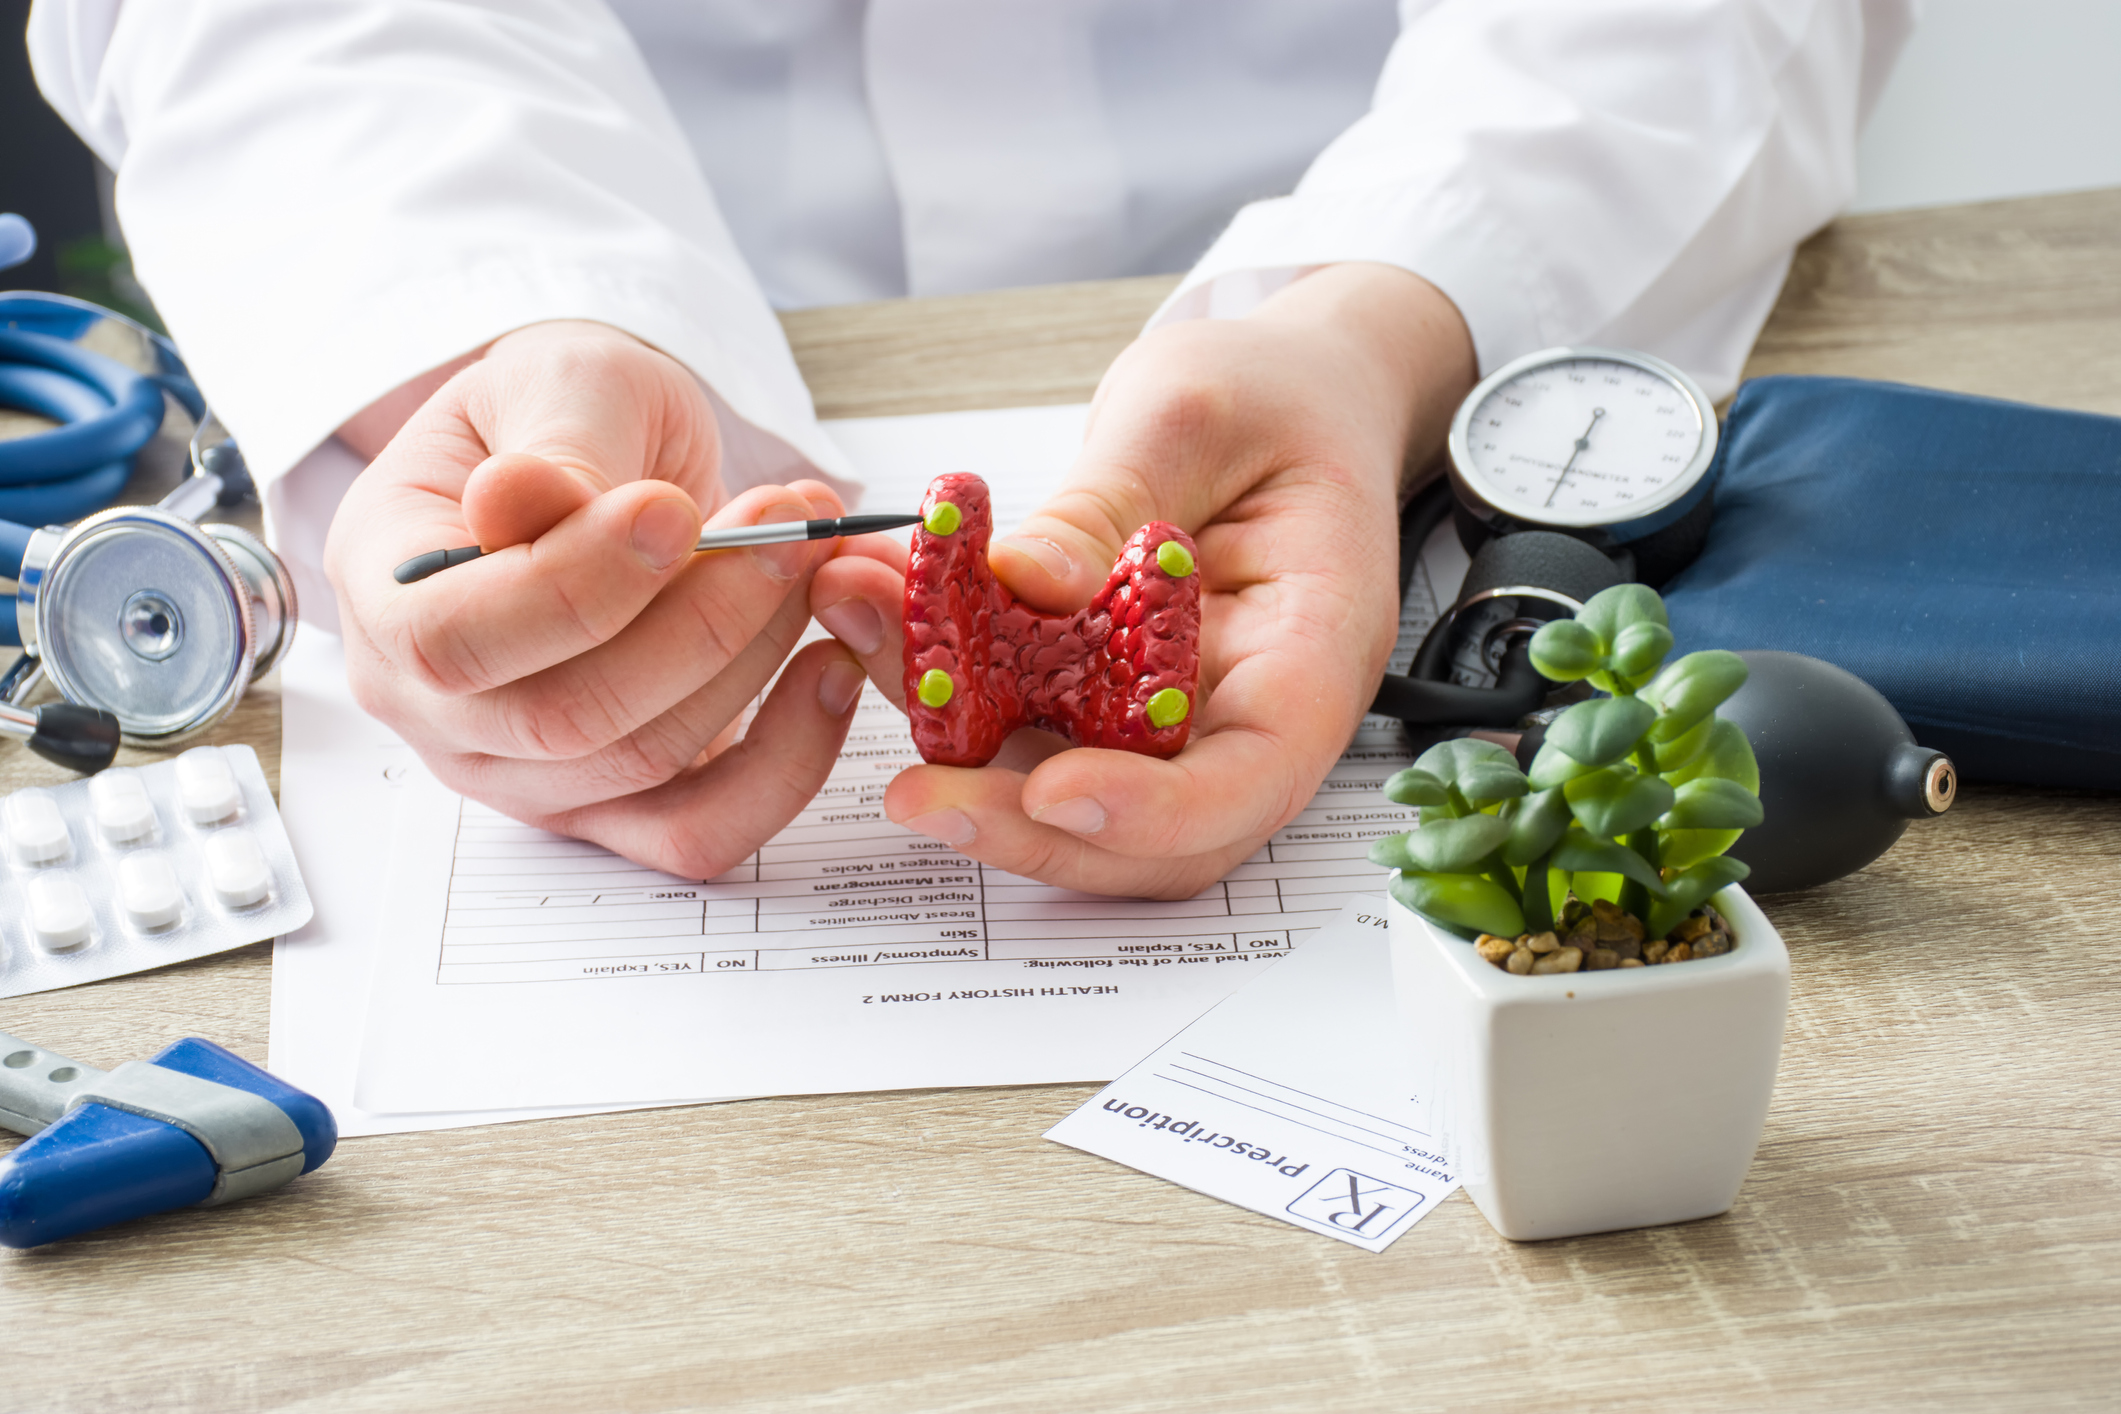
{"points": [[1356, 1203], [1355, 1217]]}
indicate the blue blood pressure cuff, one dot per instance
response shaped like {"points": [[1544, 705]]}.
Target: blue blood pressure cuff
{"points": [[1962, 555]]}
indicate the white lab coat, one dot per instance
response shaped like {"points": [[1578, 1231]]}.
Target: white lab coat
{"points": [[327, 197]]}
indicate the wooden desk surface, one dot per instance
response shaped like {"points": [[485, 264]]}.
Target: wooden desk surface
{"points": [[1930, 1224]]}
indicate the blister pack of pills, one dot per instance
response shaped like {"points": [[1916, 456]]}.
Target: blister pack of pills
{"points": [[139, 867]]}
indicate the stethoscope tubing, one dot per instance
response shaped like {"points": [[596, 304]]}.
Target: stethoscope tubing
{"points": [[131, 412], [14, 544], [108, 413]]}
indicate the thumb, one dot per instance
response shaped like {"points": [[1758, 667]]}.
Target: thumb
{"points": [[1063, 552], [1165, 442]]}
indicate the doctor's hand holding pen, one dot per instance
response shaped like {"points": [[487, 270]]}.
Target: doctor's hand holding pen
{"points": [[1281, 442], [586, 675]]}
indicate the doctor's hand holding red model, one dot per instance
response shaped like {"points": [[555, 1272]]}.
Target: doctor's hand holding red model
{"points": [[1280, 441]]}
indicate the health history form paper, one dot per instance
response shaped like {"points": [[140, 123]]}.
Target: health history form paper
{"points": [[522, 968]]}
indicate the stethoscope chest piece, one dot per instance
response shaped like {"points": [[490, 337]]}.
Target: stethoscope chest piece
{"points": [[153, 618]]}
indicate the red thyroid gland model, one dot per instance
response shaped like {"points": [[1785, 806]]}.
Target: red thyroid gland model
{"points": [[1123, 673]]}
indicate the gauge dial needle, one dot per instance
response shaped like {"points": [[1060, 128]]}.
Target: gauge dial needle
{"points": [[1583, 444]]}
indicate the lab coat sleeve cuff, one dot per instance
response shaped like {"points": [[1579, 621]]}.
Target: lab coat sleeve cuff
{"points": [[1443, 236], [731, 343], [769, 432]]}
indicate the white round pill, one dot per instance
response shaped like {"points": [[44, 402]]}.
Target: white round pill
{"points": [[206, 786], [59, 916], [35, 828], [238, 871], [118, 799], [148, 890]]}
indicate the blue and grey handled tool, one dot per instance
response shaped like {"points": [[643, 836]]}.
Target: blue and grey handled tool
{"points": [[197, 1125]]}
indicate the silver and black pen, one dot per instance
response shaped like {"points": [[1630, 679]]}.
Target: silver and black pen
{"points": [[779, 532]]}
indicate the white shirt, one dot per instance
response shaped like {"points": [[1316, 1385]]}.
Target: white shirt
{"points": [[325, 198]]}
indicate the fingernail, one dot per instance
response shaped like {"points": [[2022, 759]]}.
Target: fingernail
{"points": [[664, 532], [1078, 815], [952, 827], [782, 561], [855, 623], [839, 685], [1044, 553]]}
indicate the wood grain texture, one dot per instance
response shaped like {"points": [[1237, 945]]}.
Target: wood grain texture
{"points": [[1014, 348], [1929, 1224], [2012, 299]]}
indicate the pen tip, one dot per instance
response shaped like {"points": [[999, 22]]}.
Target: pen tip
{"points": [[417, 568], [420, 566]]}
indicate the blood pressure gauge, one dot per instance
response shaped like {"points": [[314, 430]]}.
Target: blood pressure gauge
{"points": [[1605, 445]]}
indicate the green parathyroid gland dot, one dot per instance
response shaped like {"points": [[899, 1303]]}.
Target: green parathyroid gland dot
{"points": [[943, 519], [936, 689], [1169, 707], [1172, 559]]}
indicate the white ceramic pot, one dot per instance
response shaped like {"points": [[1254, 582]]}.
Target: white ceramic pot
{"points": [[1590, 1101]]}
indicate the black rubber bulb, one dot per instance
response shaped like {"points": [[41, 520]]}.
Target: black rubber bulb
{"points": [[83, 739], [1840, 774]]}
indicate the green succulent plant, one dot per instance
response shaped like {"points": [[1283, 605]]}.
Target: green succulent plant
{"points": [[1633, 796]]}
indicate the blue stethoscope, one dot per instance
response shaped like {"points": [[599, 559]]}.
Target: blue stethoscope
{"points": [[148, 623]]}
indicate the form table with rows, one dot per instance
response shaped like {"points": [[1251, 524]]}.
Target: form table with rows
{"points": [[842, 886]]}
